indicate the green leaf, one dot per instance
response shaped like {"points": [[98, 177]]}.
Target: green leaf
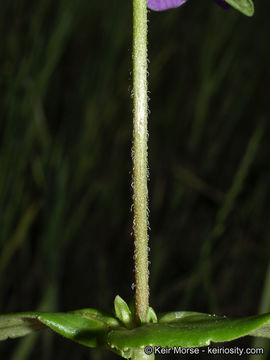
{"points": [[189, 329], [88, 327], [16, 325], [244, 6], [87, 331], [94, 328], [151, 316], [122, 312], [107, 318]]}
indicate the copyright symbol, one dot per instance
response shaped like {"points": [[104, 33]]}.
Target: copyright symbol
{"points": [[148, 350]]}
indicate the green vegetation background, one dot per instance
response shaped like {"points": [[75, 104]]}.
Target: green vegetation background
{"points": [[65, 163]]}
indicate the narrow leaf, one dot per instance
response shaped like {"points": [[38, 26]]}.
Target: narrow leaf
{"points": [[189, 329], [122, 311], [151, 316], [20, 324], [86, 331], [244, 6], [88, 327]]}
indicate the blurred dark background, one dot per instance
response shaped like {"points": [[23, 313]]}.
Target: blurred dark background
{"points": [[65, 163]]}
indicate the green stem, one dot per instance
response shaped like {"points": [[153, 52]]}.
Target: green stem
{"points": [[139, 155]]}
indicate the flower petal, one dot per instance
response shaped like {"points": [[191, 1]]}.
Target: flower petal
{"points": [[160, 5], [223, 4]]}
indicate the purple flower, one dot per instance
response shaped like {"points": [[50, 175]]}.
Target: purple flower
{"points": [[160, 5]]}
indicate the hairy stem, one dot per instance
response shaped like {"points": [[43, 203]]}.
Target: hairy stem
{"points": [[139, 155]]}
